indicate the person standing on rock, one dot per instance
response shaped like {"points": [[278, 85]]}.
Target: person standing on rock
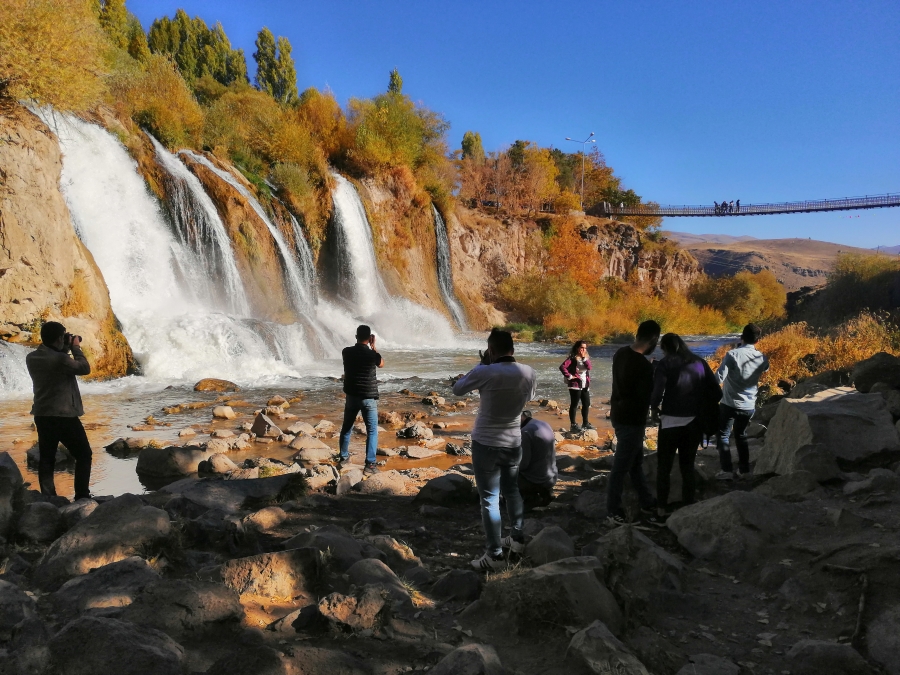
{"points": [[739, 374], [57, 406], [537, 470], [361, 388], [682, 384], [632, 385], [504, 387], [577, 371]]}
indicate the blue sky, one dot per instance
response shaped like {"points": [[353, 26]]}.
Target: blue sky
{"points": [[691, 102]]}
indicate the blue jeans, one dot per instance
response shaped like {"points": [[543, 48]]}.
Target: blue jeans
{"points": [[369, 409], [738, 420], [629, 459], [496, 471]]}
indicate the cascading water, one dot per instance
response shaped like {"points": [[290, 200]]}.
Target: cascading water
{"points": [[444, 271], [14, 378], [305, 260]]}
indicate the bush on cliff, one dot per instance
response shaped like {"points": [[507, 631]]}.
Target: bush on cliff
{"points": [[742, 298]]}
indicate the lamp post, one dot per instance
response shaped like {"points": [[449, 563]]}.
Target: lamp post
{"points": [[587, 140]]}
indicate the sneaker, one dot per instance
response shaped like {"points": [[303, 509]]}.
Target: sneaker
{"points": [[575, 429], [588, 425], [370, 469], [648, 510], [616, 520], [743, 475], [657, 520], [488, 563], [725, 475], [513, 545]]}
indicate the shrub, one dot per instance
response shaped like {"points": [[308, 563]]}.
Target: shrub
{"points": [[858, 282], [742, 298]]}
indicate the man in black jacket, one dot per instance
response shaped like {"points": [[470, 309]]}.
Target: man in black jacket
{"points": [[632, 385], [361, 388]]}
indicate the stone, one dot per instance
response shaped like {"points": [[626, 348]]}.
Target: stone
{"points": [[265, 519], [387, 452], [755, 430], [883, 639], [451, 488], [32, 457], [471, 659], [549, 403], [551, 544], [214, 384], [348, 480], [878, 479], [375, 572], [40, 523], [187, 432], [278, 400], [117, 529], [264, 427], [806, 434], [418, 452], [223, 412], [343, 551], [882, 367], [28, 649], [184, 607], [399, 557], [356, 612], [656, 653], [384, 483], [731, 529], [93, 645], [284, 574], [314, 455], [459, 585], [232, 496], [298, 428], [15, 606], [591, 504], [602, 653], [217, 464], [892, 400], [317, 661], [222, 433], [434, 400], [709, 664], [255, 659], [11, 487], [324, 427], [419, 576], [818, 657], [320, 476], [846, 519], [173, 461], [790, 486], [113, 585], [76, 512], [416, 430], [390, 418], [304, 441]]}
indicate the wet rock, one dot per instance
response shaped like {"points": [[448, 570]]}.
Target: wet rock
{"points": [[458, 450], [387, 452], [214, 384], [15, 606], [343, 550], [591, 504], [348, 480], [11, 488], [882, 367], [187, 432], [601, 652], [385, 483], [255, 659], [306, 442], [184, 607], [40, 523], [878, 479], [235, 495], [883, 639], [76, 512], [223, 412], [354, 612], [399, 557], [98, 646], [434, 400], [298, 428], [708, 664], [471, 659], [586, 435], [790, 486], [416, 430], [391, 418], [451, 488], [174, 461], [325, 427], [314, 455], [222, 433], [548, 403], [459, 585], [265, 519], [418, 452], [264, 427], [117, 529], [374, 572], [33, 455], [218, 464], [551, 544]]}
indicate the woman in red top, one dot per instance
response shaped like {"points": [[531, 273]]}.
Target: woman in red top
{"points": [[577, 371]]}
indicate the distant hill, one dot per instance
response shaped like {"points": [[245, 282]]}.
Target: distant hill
{"points": [[888, 249], [795, 262]]}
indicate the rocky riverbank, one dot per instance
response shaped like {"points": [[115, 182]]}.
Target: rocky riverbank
{"points": [[279, 563]]}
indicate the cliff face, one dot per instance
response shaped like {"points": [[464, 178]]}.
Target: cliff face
{"points": [[46, 273]]}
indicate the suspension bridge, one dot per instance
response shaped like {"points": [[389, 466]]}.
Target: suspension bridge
{"points": [[738, 209]]}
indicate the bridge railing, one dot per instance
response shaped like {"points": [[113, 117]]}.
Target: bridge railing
{"points": [[808, 206]]}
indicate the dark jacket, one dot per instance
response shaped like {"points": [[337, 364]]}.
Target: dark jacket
{"points": [[569, 369], [538, 465], [680, 386], [632, 384], [360, 362], [53, 378]]}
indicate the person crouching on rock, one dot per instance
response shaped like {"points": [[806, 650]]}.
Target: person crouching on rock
{"points": [[537, 470], [57, 406], [504, 387], [361, 388], [577, 371], [682, 383]]}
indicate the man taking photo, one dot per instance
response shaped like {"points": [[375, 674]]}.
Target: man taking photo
{"points": [[57, 406], [361, 388]]}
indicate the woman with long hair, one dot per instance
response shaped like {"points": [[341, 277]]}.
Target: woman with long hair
{"points": [[683, 384], [577, 371]]}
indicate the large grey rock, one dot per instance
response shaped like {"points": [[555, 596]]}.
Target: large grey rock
{"points": [[285, 574], [255, 659], [883, 639], [113, 585], [76, 512], [878, 479], [385, 483], [343, 551], [418, 452], [591, 504], [173, 461], [657, 654], [461, 585], [790, 486], [29, 649], [264, 519], [375, 572], [185, 607], [597, 649], [806, 434], [817, 657], [11, 487], [730, 529], [551, 544], [305, 441], [98, 646], [232, 496], [264, 427], [882, 367], [314, 455], [298, 428], [349, 479], [117, 529], [316, 661], [709, 664], [40, 523], [15, 606], [471, 659], [217, 464], [451, 488], [399, 557], [356, 612]]}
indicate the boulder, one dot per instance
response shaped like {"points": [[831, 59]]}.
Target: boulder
{"points": [[117, 529], [434, 400], [459, 585], [11, 487], [878, 479], [324, 427], [419, 576], [355, 612], [316, 661], [232, 496], [29, 651], [343, 551], [415, 430], [218, 464], [256, 659], [385, 483], [223, 412], [285, 574], [471, 659], [348, 480], [15, 606], [399, 557], [591, 504], [418, 452], [214, 384], [597, 649], [222, 433], [882, 367], [174, 461], [790, 486], [265, 519], [551, 544], [730, 529], [657, 654], [76, 512], [264, 427], [709, 664], [374, 572], [33, 454], [305, 441], [113, 585], [184, 607], [40, 523], [451, 488], [298, 428], [314, 455], [883, 639], [809, 434], [818, 657], [97, 646]]}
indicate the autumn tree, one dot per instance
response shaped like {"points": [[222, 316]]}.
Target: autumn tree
{"points": [[471, 147], [395, 83], [114, 21], [571, 255], [742, 298], [275, 71], [322, 115]]}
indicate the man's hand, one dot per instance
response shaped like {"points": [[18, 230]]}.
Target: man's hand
{"points": [[76, 341], [372, 342]]}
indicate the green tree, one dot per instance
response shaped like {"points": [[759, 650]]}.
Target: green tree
{"points": [[114, 19], [275, 71], [395, 84], [472, 147]]}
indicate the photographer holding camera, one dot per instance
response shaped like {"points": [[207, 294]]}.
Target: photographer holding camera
{"points": [[361, 388], [57, 405]]}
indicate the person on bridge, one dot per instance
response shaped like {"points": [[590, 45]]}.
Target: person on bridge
{"points": [[737, 206]]}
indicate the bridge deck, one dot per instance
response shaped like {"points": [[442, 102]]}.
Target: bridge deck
{"points": [[810, 206]]}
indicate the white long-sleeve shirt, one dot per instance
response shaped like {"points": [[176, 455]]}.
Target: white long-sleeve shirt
{"points": [[505, 388], [739, 374]]}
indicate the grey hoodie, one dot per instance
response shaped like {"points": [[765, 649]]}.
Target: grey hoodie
{"points": [[55, 387], [739, 374]]}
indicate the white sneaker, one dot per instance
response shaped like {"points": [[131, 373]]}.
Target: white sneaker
{"points": [[512, 544], [487, 563], [725, 475], [743, 475]]}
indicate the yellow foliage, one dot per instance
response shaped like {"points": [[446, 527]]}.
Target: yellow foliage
{"points": [[52, 52], [566, 201], [321, 114], [742, 298], [572, 255]]}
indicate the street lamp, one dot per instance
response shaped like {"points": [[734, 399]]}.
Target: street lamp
{"points": [[583, 143]]}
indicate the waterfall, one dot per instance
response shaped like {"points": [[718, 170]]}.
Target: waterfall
{"points": [[444, 271], [305, 260], [200, 228], [14, 378]]}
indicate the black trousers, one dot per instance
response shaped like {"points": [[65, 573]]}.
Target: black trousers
{"points": [[738, 420], [683, 440], [577, 396], [533, 494], [69, 431]]}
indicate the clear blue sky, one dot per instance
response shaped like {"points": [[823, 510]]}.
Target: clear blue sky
{"points": [[691, 102]]}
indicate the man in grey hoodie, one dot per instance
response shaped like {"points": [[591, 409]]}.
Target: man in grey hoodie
{"points": [[57, 405], [739, 375]]}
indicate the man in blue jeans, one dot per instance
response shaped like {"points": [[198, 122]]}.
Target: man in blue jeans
{"points": [[361, 388], [504, 387]]}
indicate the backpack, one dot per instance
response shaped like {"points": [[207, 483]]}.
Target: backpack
{"points": [[709, 406]]}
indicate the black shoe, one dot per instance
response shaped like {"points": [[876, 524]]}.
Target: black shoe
{"points": [[370, 469], [575, 429], [587, 425], [616, 520], [649, 510], [657, 520]]}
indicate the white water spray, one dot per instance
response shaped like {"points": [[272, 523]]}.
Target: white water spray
{"points": [[445, 271]]}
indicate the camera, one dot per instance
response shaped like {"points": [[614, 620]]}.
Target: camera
{"points": [[67, 339]]}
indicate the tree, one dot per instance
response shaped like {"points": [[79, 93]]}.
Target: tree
{"points": [[275, 71], [114, 19], [395, 84], [472, 147]]}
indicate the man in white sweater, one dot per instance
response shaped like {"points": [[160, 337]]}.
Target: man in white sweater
{"points": [[504, 387]]}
